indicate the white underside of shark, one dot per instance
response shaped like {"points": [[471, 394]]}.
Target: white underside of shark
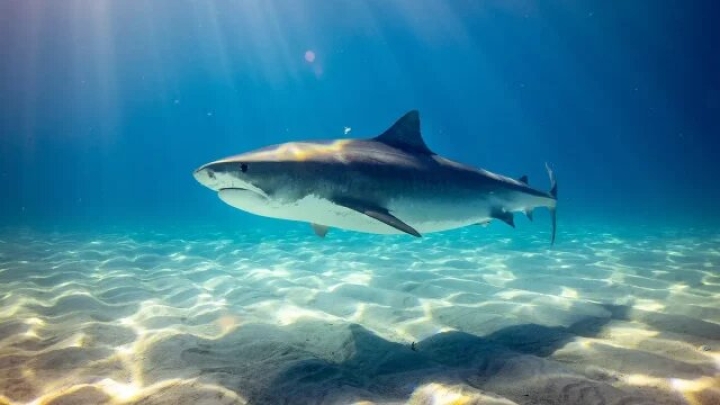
{"points": [[320, 211]]}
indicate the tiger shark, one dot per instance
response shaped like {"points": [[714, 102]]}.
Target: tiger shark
{"points": [[389, 184]]}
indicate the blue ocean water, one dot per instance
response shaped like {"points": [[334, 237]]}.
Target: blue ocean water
{"points": [[107, 107]]}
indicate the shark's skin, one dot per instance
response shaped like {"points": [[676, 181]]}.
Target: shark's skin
{"points": [[386, 185]]}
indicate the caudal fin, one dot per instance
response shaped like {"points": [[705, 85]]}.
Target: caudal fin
{"points": [[553, 192]]}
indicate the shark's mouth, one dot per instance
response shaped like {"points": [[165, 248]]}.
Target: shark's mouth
{"points": [[247, 188], [244, 199], [233, 188]]}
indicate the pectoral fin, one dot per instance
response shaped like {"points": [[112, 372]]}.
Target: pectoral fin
{"points": [[378, 213], [320, 230]]}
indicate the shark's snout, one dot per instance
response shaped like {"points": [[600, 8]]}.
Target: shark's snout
{"points": [[206, 176]]}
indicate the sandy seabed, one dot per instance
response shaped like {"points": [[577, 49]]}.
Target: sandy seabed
{"points": [[467, 317]]}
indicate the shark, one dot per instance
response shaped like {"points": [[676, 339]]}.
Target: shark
{"points": [[391, 183]]}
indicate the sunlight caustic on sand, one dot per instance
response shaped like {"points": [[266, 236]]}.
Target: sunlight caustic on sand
{"points": [[230, 319]]}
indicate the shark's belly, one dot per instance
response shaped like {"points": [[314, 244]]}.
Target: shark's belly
{"points": [[424, 216], [324, 212]]}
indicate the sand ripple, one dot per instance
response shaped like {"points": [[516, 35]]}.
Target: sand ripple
{"points": [[464, 317]]}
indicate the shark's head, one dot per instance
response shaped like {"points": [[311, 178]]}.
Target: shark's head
{"points": [[269, 177], [239, 172], [245, 181], [260, 170]]}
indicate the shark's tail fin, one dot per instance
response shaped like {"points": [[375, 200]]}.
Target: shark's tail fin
{"points": [[553, 209]]}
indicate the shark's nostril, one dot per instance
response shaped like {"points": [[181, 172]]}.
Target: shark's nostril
{"points": [[211, 174]]}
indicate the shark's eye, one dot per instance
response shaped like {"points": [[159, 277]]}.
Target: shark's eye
{"points": [[243, 167]]}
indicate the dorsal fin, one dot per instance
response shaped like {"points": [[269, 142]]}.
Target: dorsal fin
{"points": [[523, 179], [405, 134]]}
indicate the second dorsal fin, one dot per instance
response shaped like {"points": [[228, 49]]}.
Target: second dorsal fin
{"points": [[405, 134]]}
